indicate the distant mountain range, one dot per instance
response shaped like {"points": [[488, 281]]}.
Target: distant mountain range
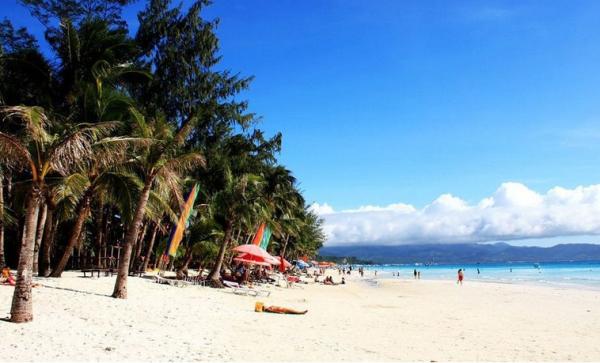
{"points": [[465, 253]]}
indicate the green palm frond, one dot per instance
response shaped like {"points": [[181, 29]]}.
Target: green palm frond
{"points": [[34, 119], [184, 163], [157, 207], [120, 188], [76, 147], [71, 187]]}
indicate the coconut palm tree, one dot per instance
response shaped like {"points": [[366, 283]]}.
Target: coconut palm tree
{"points": [[102, 102], [159, 165], [238, 194], [40, 152]]}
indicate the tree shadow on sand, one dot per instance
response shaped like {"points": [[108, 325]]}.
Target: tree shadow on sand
{"points": [[75, 290]]}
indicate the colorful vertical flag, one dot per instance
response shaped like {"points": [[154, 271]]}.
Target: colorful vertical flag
{"points": [[177, 233], [266, 238], [258, 237]]}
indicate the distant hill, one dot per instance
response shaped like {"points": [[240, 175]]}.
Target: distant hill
{"points": [[466, 253]]}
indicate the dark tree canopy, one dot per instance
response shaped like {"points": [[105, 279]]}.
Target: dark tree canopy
{"points": [[181, 49], [50, 12]]}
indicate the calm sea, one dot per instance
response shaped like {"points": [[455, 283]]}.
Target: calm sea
{"points": [[565, 274]]}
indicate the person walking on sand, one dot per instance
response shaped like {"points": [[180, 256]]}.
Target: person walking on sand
{"points": [[415, 273], [460, 276], [418, 275]]}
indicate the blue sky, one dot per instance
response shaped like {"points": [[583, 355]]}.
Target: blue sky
{"points": [[385, 102]]}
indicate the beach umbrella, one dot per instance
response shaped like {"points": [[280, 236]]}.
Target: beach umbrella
{"points": [[253, 250], [272, 260], [252, 260], [278, 261], [301, 264]]}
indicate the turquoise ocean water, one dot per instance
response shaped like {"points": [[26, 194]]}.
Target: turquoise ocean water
{"points": [[559, 274]]}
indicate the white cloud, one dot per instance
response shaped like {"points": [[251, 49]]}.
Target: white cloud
{"points": [[512, 212], [321, 209]]}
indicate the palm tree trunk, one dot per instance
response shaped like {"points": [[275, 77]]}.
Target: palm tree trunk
{"points": [[81, 214], [150, 246], [282, 252], [39, 233], [21, 310], [237, 239], [47, 242], [182, 270], [106, 223], [99, 219], [215, 274], [2, 260], [120, 291], [140, 243]]}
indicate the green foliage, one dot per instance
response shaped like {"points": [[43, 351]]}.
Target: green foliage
{"points": [[112, 114]]}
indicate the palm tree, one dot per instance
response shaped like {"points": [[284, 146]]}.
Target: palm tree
{"points": [[160, 165], [86, 184], [238, 194], [40, 152], [103, 102]]}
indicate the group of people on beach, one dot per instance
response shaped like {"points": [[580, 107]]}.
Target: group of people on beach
{"points": [[417, 274], [329, 281]]}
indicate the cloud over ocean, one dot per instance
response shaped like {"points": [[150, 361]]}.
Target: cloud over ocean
{"points": [[512, 212]]}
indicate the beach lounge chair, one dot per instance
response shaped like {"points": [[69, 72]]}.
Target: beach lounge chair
{"points": [[196, 280], [247, 291], [171, 282]]}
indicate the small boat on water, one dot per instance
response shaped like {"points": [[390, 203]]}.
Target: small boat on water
{"points": [[536, 265]]}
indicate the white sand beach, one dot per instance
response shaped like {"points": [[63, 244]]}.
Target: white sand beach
{"points": [[411, 320]]}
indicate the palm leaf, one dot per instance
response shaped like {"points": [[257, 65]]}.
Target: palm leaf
{"points": [[33, 117], [13, 153], [76, 147]]}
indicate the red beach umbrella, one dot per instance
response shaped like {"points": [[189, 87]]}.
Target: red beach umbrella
{"points": [[279, 260], [254, 251], [252, 260]]}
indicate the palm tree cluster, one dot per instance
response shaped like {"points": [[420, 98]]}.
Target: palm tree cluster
{"points": [[102, 135]]}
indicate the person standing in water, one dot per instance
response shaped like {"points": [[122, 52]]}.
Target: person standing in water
{"points": [[415, 273], [461, 276]]}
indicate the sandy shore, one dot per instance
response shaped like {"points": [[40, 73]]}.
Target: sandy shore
{"points": [[397, 320]]}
